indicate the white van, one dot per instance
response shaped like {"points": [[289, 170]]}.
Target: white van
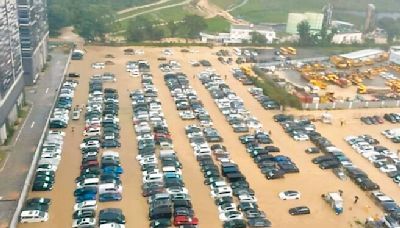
{"points": [[237, 51], [110, 188], [33, 216]]}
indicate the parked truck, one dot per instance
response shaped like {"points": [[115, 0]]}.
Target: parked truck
{"points": [[335, 201]]}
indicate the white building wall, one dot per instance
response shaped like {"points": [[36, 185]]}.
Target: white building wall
{"points": [[347, 38], [394, 57]]}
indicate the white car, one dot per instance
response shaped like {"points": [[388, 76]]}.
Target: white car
{"points": [[245, 198], [56, 132], [84, 222], [177, 190], [289, 195], [388, 168], [148, 160], [230, 215], [187, 115], [88, 205], [221, 192], [90, 144], [98, 65], [153, 178]]}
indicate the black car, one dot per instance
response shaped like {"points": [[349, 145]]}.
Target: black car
{"points": [[275, 174], [259, 222], [84, 214], [236, 223], [110, 143], [74, 75], [330, 164], [322, 158], [110, 215], [302, 210]]}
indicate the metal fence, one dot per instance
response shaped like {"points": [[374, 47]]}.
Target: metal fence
{"points": [[352, 105], [32, 168]]}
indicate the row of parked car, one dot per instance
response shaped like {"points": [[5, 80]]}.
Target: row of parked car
{"points": [[162, 175], [333, 157], [137, 67], [372, 120], [99, 180], [392, 134], [241, 76], [60, 115], [188, 104], [225, 181], [230, 105], [392, 117], [230, 181], [236, 114], [231, 192], [170, 66], [266, 102], [381, 157]]}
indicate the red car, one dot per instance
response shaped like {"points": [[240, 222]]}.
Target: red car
{"points": [[158, 136], [90, 164], [185, 220]]}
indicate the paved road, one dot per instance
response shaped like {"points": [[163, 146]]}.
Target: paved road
{"points": [[41, 96], [142, 6]]}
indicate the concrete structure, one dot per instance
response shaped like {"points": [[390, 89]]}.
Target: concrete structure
{"points": [[347, 38], [370, 18], [363, 54], [239, 34], [11, 80], [328, 12], [346, 33], [314, 19], [394, 54], [34, 33]]}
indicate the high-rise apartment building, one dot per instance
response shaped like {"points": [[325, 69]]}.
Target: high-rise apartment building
{"points": [[34, 33], [11, 79]]}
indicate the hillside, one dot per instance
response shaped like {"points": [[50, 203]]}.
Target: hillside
{"points": [[275, 11]]}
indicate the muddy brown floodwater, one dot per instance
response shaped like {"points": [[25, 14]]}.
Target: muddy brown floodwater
{"points": [[311, 181]]}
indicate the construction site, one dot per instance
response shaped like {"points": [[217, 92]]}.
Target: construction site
{"points": [[365, 75]]}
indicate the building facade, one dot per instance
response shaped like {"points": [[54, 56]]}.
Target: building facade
{"points": [[370, 18], [34, 32], [11, 73], [239, 34], [315, 20]]}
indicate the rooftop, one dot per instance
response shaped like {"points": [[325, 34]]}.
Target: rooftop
{"points": [[362, 53], [252, 27]]}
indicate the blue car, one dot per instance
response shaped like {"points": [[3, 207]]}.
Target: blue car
{"points": [[85, 190], [281, 158], [113, 169], [85, 197], [106, 197]]}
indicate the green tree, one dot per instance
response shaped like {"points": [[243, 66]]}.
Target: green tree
{"points": [[141, 28], [303, 28], [193, 25], [58, 17], [172, 27], [95, 22], [391, 26], [258, 38]]}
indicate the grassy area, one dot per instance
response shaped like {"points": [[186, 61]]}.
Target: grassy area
{"points": [[225, 4], [148, 8], [170, 14], [258, 11], [217, 24]]}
